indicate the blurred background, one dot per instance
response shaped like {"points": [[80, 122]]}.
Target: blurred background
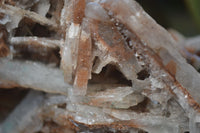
{"points": [[181, 15]]}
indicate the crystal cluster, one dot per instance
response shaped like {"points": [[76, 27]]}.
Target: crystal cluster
{"points": [[104, 65]]}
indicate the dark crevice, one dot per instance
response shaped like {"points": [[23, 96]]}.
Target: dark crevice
{"points": [[24, 28], [141, 107], [48, 15], [143, 74], [35, 53], [96, 59], [28, 27], [41, 31], [197, 53], [166, 113], [9, 99], [110, 75], [62, 106], [141, 131], [129, 42]]}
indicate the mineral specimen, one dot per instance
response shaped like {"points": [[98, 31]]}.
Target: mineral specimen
{"points": [[104, 65]]}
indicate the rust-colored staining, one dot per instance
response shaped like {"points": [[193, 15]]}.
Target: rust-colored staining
{"points": [[171, 67], [124, 125], [183, 90], [84, 62], [172, 77], [78, 11], [8, 84], [4, 50], [10, 2], [118, 125], [2, 15], [110, 32], [81, 80], [189, 98], [112, 40], [192, 60], [174, 37], [191, 50]]}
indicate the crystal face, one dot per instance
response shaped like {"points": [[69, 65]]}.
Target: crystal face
{"points": [[96, 66]]}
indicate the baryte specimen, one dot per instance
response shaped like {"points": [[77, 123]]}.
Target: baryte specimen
{"points": [[117, 68]]}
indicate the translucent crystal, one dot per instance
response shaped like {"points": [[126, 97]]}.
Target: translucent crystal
{"points": [[116, 69]]}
